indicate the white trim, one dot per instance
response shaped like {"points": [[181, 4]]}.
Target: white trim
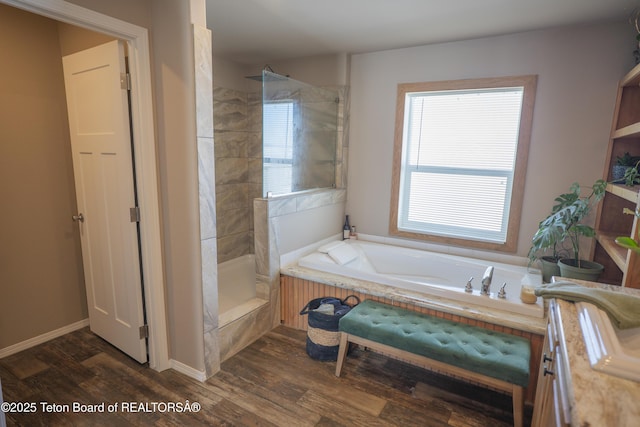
{"points": [[144, 144], [32, 342], [188, 371]]}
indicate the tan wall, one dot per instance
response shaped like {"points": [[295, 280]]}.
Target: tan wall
{"points": [[41, 278], [137, 12], [75, 39]]}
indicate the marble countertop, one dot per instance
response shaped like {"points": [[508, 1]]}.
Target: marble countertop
{"points": [[597, 399]]}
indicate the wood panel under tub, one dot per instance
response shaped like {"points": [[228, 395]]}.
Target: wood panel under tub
{"points": [[295, 293]]}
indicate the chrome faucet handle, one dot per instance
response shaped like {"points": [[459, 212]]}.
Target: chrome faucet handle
{"points": [[502, 293], [468, 288]]}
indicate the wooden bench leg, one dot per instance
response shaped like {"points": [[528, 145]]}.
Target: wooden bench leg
{"points": [[342, 352], [518, 404]]}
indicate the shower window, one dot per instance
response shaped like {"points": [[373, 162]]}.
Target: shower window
{"points": [[300, 132], [460, 159], [278, 146]]}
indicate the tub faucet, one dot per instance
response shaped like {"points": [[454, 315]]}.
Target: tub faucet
{"points": [[486, 281]]}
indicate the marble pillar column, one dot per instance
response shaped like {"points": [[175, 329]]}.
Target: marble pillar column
{"points": [[206, 179]]}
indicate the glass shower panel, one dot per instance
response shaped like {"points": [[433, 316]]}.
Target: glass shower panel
{"points": [[299, 135]]}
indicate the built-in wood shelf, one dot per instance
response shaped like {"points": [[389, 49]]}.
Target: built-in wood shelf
{"points": [[622, 266], [617, 253], [631, 131], [627, 193], [632, 78]]}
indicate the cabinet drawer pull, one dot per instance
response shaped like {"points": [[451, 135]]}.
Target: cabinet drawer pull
{"points": [[548, 372], [546, 358]]}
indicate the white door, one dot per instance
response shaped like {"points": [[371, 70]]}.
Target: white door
{"points": [[103, 169]]}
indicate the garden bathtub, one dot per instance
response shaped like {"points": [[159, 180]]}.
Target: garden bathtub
{"points": [[430, 273]]}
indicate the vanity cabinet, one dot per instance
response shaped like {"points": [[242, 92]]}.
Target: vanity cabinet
{"points": [[552, 407], [576, 394], [622, 266]]}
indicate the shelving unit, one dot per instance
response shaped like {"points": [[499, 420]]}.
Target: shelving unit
{"points": [[622, 267]]}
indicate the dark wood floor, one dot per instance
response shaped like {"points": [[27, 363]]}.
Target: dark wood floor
{"points": [[270, 383]]}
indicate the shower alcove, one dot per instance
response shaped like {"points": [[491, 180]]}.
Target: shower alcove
{"points": [[297, 147]]}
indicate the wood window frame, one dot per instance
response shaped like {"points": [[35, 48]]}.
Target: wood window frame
{"points": [[529, 83]]}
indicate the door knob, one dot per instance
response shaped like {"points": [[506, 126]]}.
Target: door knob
{"points": [[78, 217]]}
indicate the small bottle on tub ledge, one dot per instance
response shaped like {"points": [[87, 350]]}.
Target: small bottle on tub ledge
{"points": [[353, 235], [346, 230]]}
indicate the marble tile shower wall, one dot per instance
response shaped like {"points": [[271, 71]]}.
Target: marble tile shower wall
{"points": [[238, 153]]}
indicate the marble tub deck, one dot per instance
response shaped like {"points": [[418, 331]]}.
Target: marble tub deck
{"points": [[504, 318]]}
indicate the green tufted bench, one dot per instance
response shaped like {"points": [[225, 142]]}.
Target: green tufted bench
{"points": [[491, 358]]}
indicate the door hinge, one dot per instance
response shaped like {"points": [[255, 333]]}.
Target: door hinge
{"points": [[144, 331], [134, 214], [125, 81]]}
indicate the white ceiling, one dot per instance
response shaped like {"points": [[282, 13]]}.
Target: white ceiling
{"points": [[256, 31]]}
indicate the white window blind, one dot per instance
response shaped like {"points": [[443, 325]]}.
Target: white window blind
{"points": [[277, 147], [458, 159]]}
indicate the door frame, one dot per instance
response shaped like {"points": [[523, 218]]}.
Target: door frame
{"points": [[137, 39]]}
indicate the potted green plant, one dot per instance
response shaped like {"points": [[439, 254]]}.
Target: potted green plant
{"points": [[565, 224], [631, 175], [623, 163], [634, 19], [547, 248], [549, 263]]}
